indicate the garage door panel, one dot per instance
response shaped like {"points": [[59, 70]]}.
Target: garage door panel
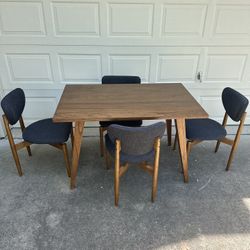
{"points": [[80, 68], [224, 67], [75, 18], [27, 68], [46, 44], [22, 18]]}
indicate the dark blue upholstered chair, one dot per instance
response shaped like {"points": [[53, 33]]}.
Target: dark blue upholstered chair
{"points": [[139, 145], [40, 132], [117, 79], [198, 130]]}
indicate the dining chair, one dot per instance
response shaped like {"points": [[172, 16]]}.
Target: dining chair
{"points": [[40, 132], [117, 79], [198, 130], [139, 145]]}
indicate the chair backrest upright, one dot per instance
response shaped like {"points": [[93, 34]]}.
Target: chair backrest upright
{"points": [[116, 79], [13, 105], [234, 103], [136, 140]]}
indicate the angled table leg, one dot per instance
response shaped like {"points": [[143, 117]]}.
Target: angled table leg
{"points": [[169, 131], [181, 129], [77, 134], [174, 147]]}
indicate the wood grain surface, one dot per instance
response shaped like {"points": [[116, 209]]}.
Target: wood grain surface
{"points": [[96, 102]]}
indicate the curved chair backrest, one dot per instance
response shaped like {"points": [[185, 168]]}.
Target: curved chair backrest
{"points": [[234, 103], [13, 105], [136, 140], [113, 79]]}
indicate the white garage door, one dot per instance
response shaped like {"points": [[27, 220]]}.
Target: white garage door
{"points": [[46, 44]]}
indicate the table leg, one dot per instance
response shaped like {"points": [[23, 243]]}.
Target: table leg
{"points": [[169, 131], [176, 141], [181, 129], [76, 152]]}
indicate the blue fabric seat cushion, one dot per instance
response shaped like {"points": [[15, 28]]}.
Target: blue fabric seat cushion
{"points": [[135, 123], [204, 129], [125, 158], [117, 79], [47, 132]]}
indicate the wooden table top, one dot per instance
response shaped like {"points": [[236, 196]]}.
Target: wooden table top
{"points": [[100, 102]]}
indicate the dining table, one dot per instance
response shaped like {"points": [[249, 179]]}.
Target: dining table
{"points": [[81, 103]]}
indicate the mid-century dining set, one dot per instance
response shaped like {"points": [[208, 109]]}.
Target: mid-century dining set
{"points": [[120, 104]]}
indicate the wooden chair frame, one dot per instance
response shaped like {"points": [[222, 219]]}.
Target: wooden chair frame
{"points": [[24, 144], [120, 170], [231, 142], [103, 129], [101, 133]]}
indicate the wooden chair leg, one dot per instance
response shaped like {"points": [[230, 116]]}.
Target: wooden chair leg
{"points": [[66, 158], [175, 141], [123, 169], [22, 128], [107, 159], [12, 146], [72, 137], [236, 141], [117, 171], [224, 123], [233, 150], [29, 150], [176, 136], [156, 169], [217, 146], [101, 132], [16, 158], [169, 131], [189, 146]]}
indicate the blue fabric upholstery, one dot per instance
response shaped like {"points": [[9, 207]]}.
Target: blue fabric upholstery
{"points": [[204, 129], [148, 157], [13, 105], [135, 123], [137, 144], [116, 79], [47, 132], [234, 103]]}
